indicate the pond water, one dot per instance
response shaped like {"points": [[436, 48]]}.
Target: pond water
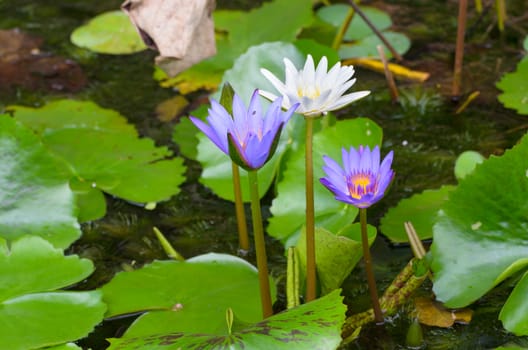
{"points": [[424, 133]]}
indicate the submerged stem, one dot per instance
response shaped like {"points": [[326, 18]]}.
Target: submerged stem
{"points": [[260, 245], [378, 316], [310, 213], [243, 240]]}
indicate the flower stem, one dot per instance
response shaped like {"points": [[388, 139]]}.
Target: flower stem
{"points": [[378, 316], [311, 280], [243, 240], [260, 245], [342, 30]]}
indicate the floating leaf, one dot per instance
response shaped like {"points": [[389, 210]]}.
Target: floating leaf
{"points": [[358, 29], [315, 325], [367, 47], [514, 312], [190, 296], [288, 208], [420, 209], [32, 314], [466, 163], [480, 236], [69, 346], [110, 33], [270, 22], [104, 152], [32, 179], [515, 88], [336, 254]]}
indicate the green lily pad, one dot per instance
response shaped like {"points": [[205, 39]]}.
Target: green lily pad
{"points": [[420, 209], [109, 33], [315, 325], [367, 47], [336, 254], [31, 178], [358, 29], [288, 208], [515, 88], [69, 346], [466, 163], [480, 236], [190, 296], [514, 312], [241, 30], [32, 313], [104, 153]]}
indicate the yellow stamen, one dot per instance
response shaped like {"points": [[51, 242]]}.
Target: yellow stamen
{"points": [[359, 180]]}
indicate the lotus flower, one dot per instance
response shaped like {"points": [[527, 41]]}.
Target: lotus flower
{"points": [[248, 136], [316, 90], [362, 181]]}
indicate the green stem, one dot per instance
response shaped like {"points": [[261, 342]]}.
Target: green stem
{"points": [[243, 240], [260, 245], [311, 279], [292, 279], [338, 39], [378, 316]]}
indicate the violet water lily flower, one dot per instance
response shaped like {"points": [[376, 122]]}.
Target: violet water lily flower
{"points": [[249, 137], [362, 181], [317, 90]]}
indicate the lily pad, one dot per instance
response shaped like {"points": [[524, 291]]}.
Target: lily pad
{"points": [[480, 236], [514, 312], [515, 88], [109, 33], [336, 254], [358, 29], [190, 296], [466, 163], [241, 30], [32, 313], [315, 325], [104, 153], [31, 178], [420, 209], [367, 47], [289, 207]]}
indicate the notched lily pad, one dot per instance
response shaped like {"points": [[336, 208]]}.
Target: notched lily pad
{"points": [[486, 215], [315, 325], [420, 209], [110, 33], [211, 284], [104, 153], [515, 88], [31, 178], [33, 313]]}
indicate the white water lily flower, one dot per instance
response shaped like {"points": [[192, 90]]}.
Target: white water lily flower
{"points": [[317, 90]]}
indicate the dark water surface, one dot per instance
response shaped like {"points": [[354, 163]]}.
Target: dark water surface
{"points": [[424, 133]]}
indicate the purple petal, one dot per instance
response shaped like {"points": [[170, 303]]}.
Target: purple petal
{"points": [[375, 160], [365, 161], [211, 134]]}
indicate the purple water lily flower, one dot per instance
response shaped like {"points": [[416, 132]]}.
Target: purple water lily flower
{"points": [[362, 181], [248, 136]]}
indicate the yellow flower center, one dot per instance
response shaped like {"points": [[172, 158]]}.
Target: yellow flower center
{"points": [[310, 92], [358, 185]]}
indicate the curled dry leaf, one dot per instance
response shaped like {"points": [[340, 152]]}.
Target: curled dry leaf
{"points": [[181, 30], [433, 313]]}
